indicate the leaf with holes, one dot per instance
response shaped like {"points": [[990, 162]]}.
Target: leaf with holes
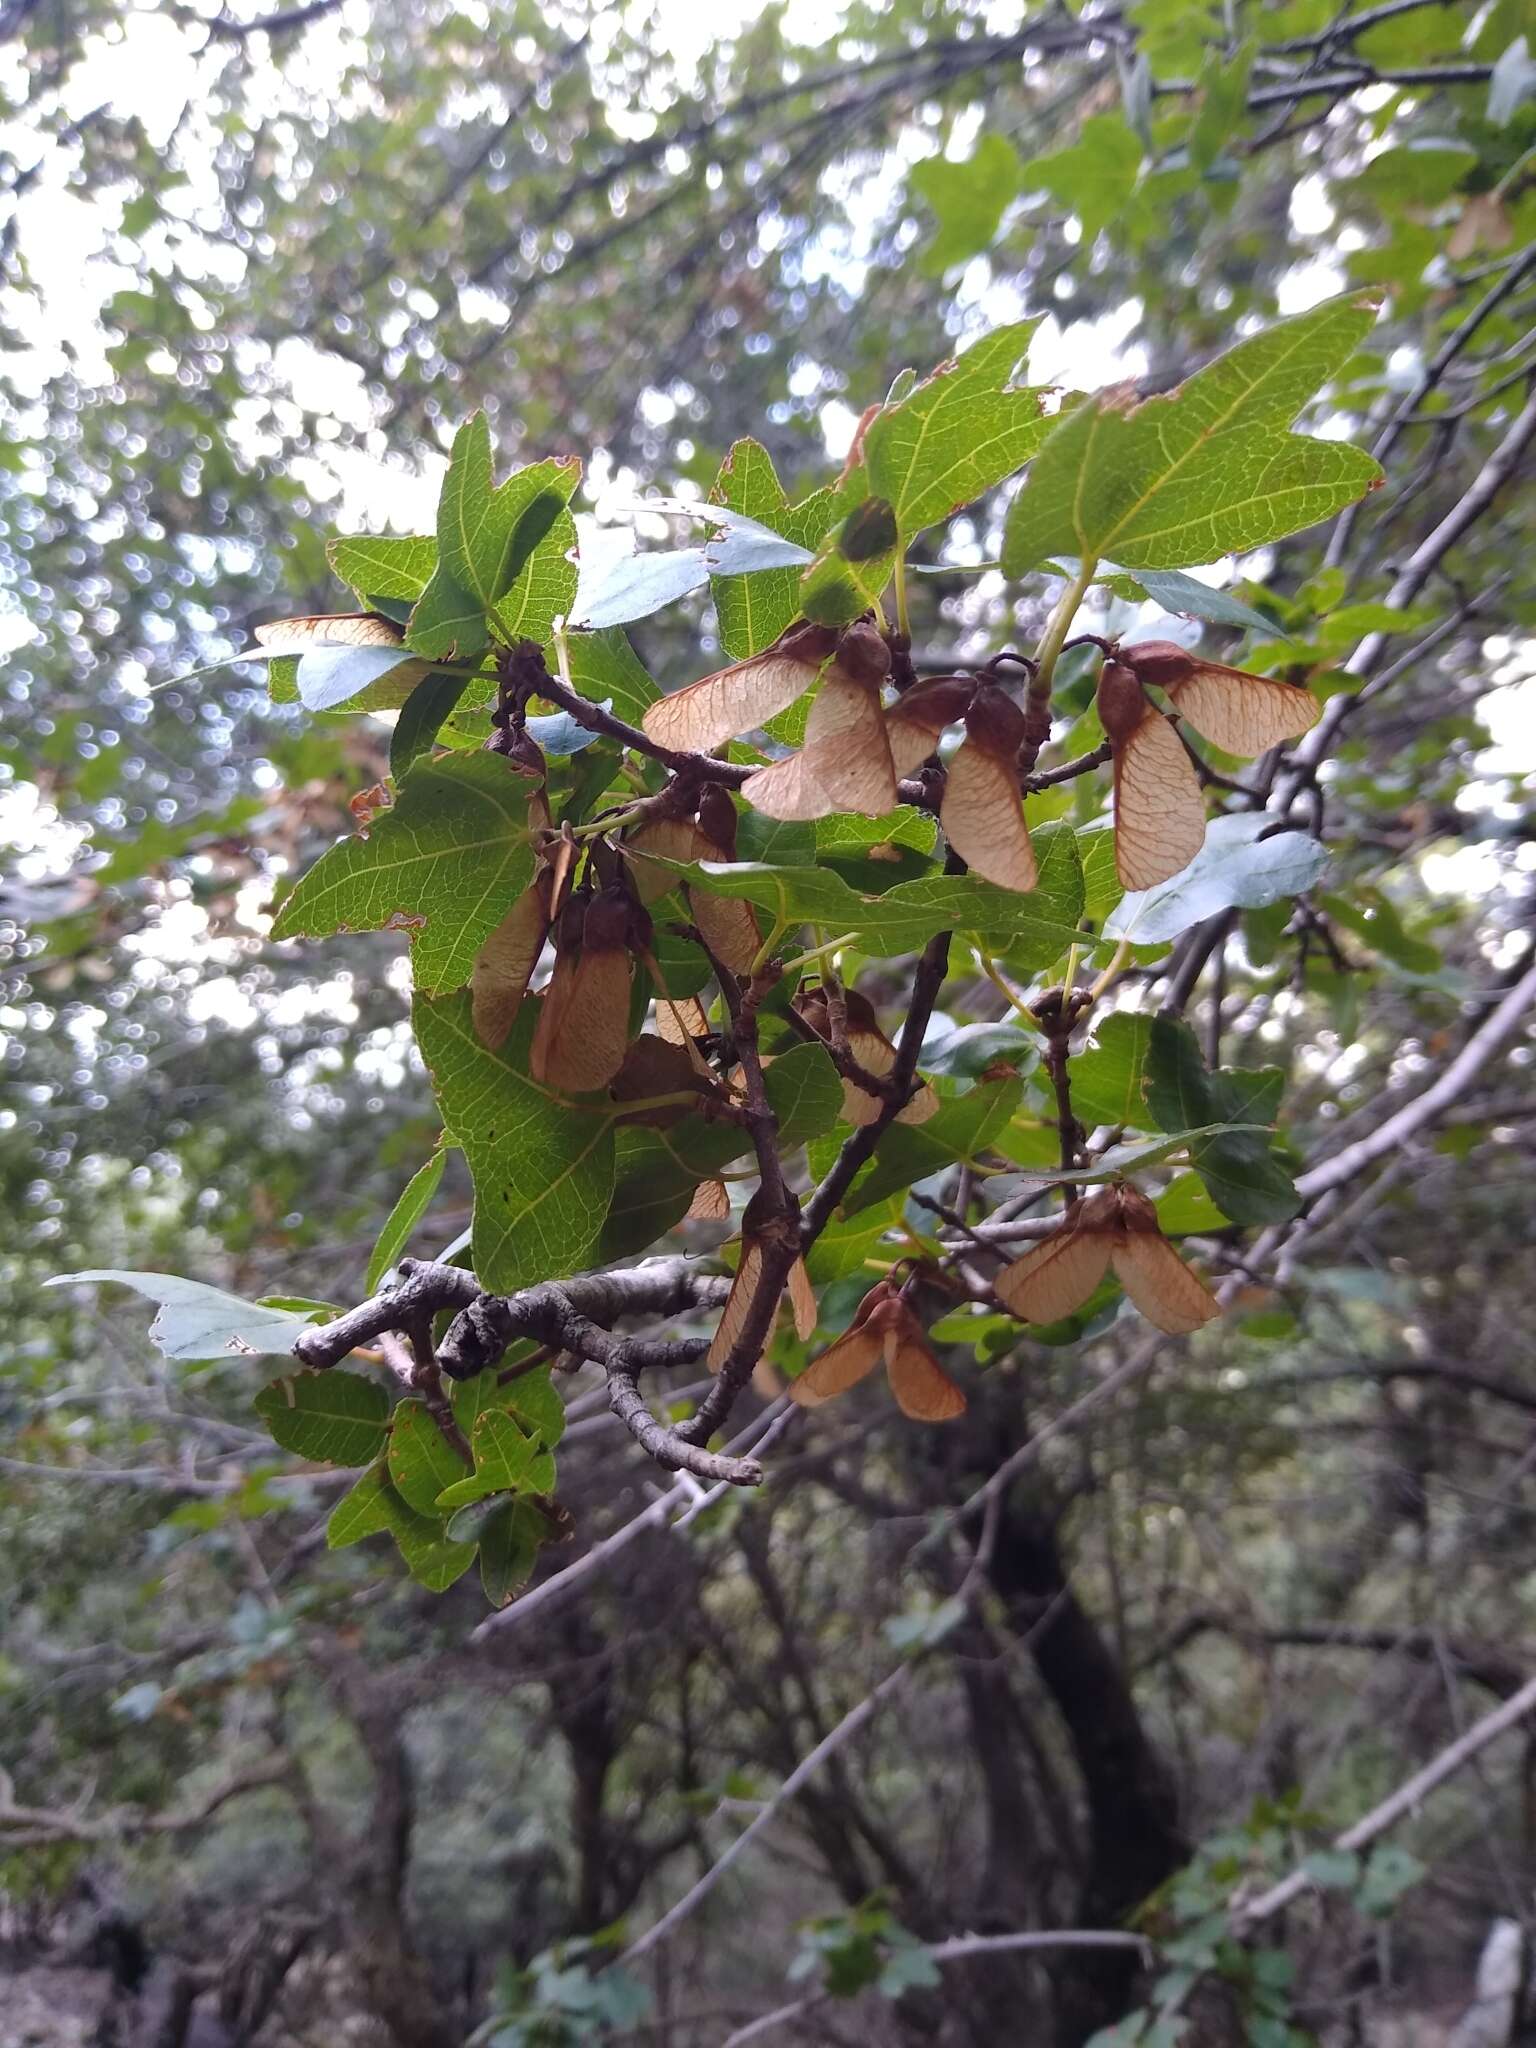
{"points": [[421, 1459], [195, 1322]]}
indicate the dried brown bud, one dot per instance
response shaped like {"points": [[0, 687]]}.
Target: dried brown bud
{"points": [[863, 654], [995, 722], [717, 819], [1161, 662]]}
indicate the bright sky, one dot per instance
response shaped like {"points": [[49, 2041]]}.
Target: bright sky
{"points": [[150, 69]]}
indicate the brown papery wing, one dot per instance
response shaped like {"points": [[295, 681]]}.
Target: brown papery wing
{"points": [[846, 749], [842, 1365], [733, 700], [710, 1204], [1159, 811], [924, 1104], [788, 791], [923, 1389], [344, 629], [583, 1029], [663, 839], [911, 739], [983, 818], [802, 1299], [876, 1055], [1167, 1292], [1243, 714], [1057, 1277], [728, 925], [737, 1303], [679, 1019], [504, 964]]}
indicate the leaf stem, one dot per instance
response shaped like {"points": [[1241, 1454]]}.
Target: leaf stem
{"points": [[1059, 625], [1107, 978], [819, 952], [1014, 1001]]}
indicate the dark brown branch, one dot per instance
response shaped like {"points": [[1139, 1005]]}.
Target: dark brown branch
{"points": [[926, 984], [226, 27]]}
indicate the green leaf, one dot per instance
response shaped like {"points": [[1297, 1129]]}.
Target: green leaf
{"points": [[486, 534], [1419, 173], [1188, 598], [445, 861], [421, 719], [506, 1461], [1094, 176], [847, 837], [384, 565], [1390, 1873], [331, 1418], [1223, 103], [804, 1091], [652, 1190], [1108, 1078], [1373, 916], [964, 1128], [969, 1051], [501, 551], [414, 1201], [900, 921], [969, 199], [197, 1322], [1185, 1207], [327, 677], [421, 1459], [364, 1511], [1205, 470], [853, 565], [509, 1549], [1333, 1869], [1245, 1178], [605, 669], [639, 585], [1235, 868], [447, 623], [754, 610], [432, 1557], [542, 1168], [847, 1242], [533, 1398], [959, 433]]}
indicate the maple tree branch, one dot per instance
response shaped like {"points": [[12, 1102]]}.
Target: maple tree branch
{"points": [[927, 982], [1250, 1913], [777, 1235], [1484, 1044], [26, 1827]]}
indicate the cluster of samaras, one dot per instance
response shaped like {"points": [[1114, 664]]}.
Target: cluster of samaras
{"points": [[1116, 1229], [857, 748]]}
